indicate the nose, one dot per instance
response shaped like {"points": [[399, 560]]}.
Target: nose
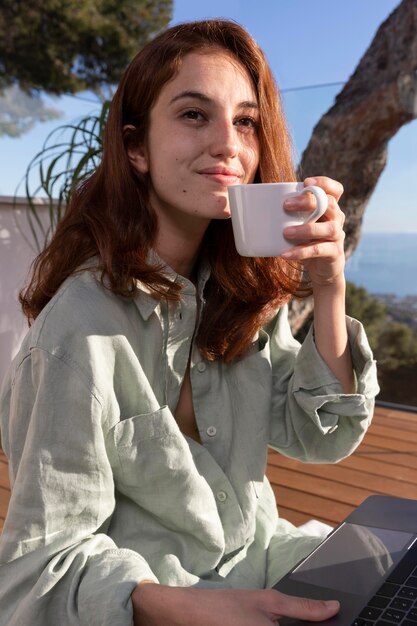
{"points": [[223, 139]]}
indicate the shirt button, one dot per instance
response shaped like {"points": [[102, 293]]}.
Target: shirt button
{"points": [[222, 496], [201, 366], [211, 431]]}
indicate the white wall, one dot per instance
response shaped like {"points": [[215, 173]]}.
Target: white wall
{"points": [[17, 251]]}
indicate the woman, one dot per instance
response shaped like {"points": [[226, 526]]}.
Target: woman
{"points": [[160, 364]]}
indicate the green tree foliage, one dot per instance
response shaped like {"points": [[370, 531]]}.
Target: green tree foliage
{"points": [[397, 346], [370, 311], [394, 346], [65, 46]]}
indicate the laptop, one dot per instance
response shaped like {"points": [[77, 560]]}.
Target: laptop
{"points": [[368, 563]]}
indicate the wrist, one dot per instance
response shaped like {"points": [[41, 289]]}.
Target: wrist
{"points": [[141, 597], [335, 287]]}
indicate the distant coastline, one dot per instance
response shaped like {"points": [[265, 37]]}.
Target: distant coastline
{"points": [[385, 264]]}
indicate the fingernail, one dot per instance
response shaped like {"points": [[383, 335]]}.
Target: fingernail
{"points": [[332, 604], [289, 203], [290, 231], [310, 181]]}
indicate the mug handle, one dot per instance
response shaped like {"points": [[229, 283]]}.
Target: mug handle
{"points": [[321, 200]]}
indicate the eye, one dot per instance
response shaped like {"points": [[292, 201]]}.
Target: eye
{"points": [[247, 122], [193, 114]]}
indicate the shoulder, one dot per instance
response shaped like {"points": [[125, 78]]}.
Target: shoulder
{"points": [[81, 309], [82, 333]]}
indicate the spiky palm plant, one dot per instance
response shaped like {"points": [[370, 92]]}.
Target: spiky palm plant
{"points": [[70, 153]]}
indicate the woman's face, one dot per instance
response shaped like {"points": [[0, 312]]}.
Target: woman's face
{"points": [[202, 137]]}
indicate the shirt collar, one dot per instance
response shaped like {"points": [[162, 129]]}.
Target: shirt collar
{"points": [[147, 301]]}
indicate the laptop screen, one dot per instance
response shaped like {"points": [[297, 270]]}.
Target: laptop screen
{"points": [[354, 558]]}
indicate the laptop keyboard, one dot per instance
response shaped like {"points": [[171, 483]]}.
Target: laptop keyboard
{"points": [[395, 602]]}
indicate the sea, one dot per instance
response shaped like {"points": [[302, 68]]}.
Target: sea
{"points": [[385, 263]]}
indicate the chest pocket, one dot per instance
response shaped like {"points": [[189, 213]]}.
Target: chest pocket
{"points": [[153, 466]]}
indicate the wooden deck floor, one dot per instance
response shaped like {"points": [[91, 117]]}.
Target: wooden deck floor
{"points": [[385, 463]]}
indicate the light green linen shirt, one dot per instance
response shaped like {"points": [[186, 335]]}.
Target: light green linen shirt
{"points": [[106, 490]]}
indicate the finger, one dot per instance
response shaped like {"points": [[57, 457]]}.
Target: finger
{"points": [[303, 202], [305, 608], [333, 211], [307, 203], [314, 231], [323, 249], [329, 185]]}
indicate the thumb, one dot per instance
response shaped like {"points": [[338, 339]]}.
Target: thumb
{"points": [[306, 608]]}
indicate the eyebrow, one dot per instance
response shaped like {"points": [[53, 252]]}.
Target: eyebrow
{"points": [[197, 95]]}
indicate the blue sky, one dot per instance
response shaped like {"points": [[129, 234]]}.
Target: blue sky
{"points": [[307, 42]]}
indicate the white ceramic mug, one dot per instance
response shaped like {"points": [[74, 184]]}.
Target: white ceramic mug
{"points": [[258, 216]]}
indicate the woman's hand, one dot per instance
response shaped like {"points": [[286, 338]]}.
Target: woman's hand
{"points": [[324, 258], [158, 605], [322, 251]]}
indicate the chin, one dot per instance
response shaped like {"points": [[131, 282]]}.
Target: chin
{"points": [[222, 209], [222, 215]]}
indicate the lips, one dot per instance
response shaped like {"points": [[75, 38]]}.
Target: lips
{"points": [[221, 175]]}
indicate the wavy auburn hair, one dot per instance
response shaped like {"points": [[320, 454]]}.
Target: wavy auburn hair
{"points": [[110, 226]]}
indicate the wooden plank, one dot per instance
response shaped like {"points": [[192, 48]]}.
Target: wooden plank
{"points": [[323, 487], [389, 457], [4, 471], [311, 505], [377, 467], [4, 478], [388, 412], [398, 424], [4, 501], [373, 461], [395, 445], [394, 433], [343, 476]]}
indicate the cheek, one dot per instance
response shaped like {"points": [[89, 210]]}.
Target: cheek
{"points": [[252, 162], [172, 161]]}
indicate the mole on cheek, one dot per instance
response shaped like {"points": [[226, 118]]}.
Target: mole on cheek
{"points": [[184, 191]]}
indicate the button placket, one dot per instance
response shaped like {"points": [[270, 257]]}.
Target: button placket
{"points": [[179, 320]]}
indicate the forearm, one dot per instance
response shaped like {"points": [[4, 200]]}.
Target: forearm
{"points": [[330, 333], [157, 605], [323, 255]]}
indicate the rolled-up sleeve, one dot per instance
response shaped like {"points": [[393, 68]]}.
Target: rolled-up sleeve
{"points": [[58, 565], [312, 419]]}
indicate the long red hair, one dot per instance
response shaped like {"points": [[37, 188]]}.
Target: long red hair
{"points": [[110, 226]]}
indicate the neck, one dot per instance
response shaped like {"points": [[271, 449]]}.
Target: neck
{"points": [[180, 253], [179, 245]]}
